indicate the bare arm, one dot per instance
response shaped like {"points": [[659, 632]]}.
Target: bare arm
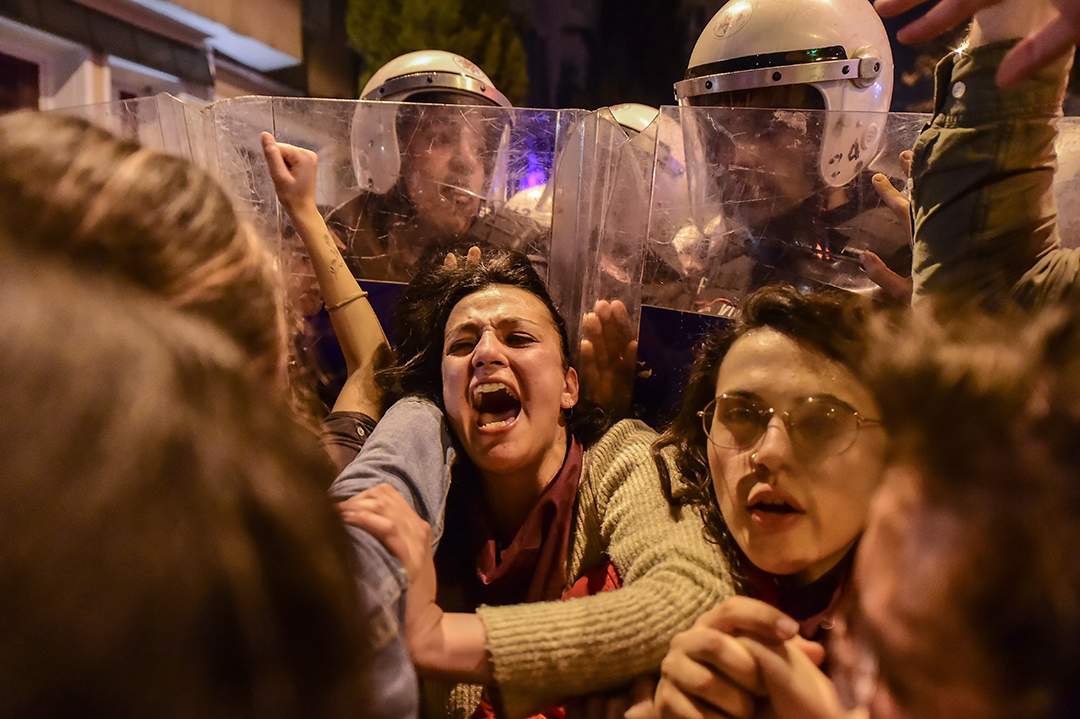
{"points": [[358, 330]]}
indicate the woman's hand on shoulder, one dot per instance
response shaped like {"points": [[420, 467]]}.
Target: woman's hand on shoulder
{"points": [[448, 646], [384, 514]]}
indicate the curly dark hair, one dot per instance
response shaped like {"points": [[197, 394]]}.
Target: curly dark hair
{"points": [[831, 322], [424, 308]]}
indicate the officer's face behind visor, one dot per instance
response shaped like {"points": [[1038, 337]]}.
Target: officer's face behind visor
{"points": [[763, 159], [755, 128]]}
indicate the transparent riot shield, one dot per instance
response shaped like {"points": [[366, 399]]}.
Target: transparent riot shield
{"points": [[600, 214], [398, 183], [724, 200], [759, 207], [739, 200], [162, 122]]}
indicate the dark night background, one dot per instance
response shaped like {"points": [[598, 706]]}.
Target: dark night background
{"points": [[585, 53]]}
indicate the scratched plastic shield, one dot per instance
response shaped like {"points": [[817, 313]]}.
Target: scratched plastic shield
{"points": [[755, 208], [600, 215], [161, 122], [398, 184], [730, 198]]}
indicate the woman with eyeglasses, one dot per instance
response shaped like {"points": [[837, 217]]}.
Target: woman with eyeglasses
{"points": [[781, 446]]}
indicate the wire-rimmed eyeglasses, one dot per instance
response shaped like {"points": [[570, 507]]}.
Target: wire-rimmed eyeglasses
{"points": [[817, 425]]}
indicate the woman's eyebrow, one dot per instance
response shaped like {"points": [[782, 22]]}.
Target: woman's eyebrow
{"points": [[514, 320], [741, 394], [460, 327], [500, 323], [833, 398]]}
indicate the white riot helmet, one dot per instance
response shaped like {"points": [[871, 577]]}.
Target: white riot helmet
{"points": [[423, 76], [838, 47], [633, 117], [640, 124]]}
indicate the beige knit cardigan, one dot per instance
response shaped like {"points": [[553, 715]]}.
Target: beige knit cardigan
{"points": [[547, 651]]}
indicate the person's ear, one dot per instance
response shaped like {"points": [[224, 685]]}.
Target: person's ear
{"points": [[570, 389]]}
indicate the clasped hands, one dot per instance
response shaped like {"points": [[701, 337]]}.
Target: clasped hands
{"points": [[744, 658]]}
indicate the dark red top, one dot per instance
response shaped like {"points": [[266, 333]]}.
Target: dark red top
{"points": [[532, 567], [812, 605]]}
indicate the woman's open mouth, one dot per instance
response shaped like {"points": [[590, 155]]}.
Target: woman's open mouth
{"points": [[775, 516], [495, 404], [773, 508]]}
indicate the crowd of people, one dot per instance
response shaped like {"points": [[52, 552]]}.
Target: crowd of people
{"points": [[862, 507]]}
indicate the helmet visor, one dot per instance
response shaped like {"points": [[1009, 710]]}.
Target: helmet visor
{"points": [[761, 211]]}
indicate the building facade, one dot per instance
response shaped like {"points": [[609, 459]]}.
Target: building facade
{"points": [[63, 53]]}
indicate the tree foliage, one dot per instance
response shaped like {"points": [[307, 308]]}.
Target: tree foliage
{"points": [[480, 30]]}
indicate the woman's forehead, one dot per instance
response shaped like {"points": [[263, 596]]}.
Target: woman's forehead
{"points": [[499, 303], [776, 366]]}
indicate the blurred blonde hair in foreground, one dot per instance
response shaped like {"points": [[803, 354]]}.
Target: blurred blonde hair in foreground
{"points": [[166, 548], [110, 206]]}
